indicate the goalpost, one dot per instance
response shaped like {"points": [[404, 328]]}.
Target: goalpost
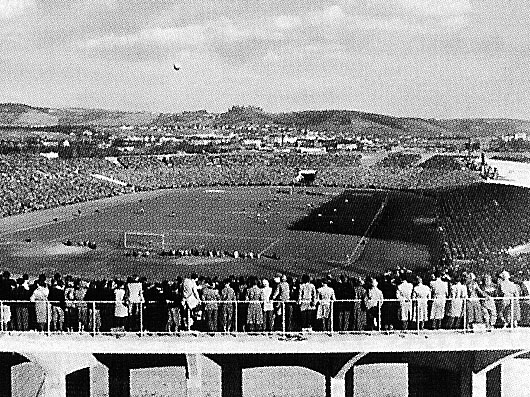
{"points": [[141, 240]]}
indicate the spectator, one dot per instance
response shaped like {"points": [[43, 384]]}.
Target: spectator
{"points": [[474, 309], [325, 296], [57, 300], [71, 312], [191, 299], [489, 307], [121, 306], [173, 301], [404, 295], [268, 307], [255, 311], [40, 297], [22, 294], [283, 294], [457, 295], [420, 296], [359, 305], [80, 289], [373, 301], [440, 293], [135, 297], [306, 300], [508, 291], [228, 296], [211, 298]]}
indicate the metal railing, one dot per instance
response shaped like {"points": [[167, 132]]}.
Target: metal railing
{"points": [[251, 317]]}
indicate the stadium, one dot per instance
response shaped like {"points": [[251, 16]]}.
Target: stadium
{"points": [[359, 229], [166, 222]]}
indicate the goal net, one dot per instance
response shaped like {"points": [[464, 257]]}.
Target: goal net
{"points": [[141, 240]]}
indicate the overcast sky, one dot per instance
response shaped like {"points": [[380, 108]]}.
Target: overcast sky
{"points": [[425, 58]]}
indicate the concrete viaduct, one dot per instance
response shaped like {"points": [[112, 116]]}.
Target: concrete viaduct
{"points": [[439, 364]]}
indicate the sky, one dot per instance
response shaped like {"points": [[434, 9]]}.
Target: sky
{"points": [[421, 58]]}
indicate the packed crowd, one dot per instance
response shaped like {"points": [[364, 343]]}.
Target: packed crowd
{"points": [[472, 217], [33, 182], [397, 300]]}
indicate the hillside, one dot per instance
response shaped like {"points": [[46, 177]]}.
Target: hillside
{"points": [[347, 122]]}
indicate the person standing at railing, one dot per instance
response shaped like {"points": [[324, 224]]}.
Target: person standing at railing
{"points": [[510, 294], [373, 302], [404, 295], [255, 310], [7, 286], [440, 293], [283, 294], [306, 300], [343, 307], [190, 298], [57, 300], [80, 289], [268, 307], [388, 310], [358, 316], [489, 306], [475, 314], [40, 297], [173, 299], [325, 296], [457, 294], [71, 320], [211, 298], [22, 294], [93, 295], [229, 296], [420, 296], [135, 297], [121, 310]]}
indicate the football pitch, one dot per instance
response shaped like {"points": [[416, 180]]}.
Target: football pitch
{"points": [[295, 231]]}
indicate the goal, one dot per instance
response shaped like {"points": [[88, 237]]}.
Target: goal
{"points": [[141, 240]]}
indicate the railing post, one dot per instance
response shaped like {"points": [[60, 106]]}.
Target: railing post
{"points": [[379, 316], [465, 315], [93, 318], [417, 306], [141, 317], [331, 314], [48, 317], [235, 316], [2, 315], [512, 311], [283, 317]]}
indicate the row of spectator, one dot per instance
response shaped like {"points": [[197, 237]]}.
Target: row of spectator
{"points": [[398, 300]]}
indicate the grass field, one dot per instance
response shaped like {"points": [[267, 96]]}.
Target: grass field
{"points": [[263, 220]]}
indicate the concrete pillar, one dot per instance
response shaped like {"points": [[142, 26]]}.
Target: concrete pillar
{"points": [[5, 380], [335, 387], [78, 383], [194, 375], [494, 382], [54, 384], [231, 379], [119, 381], [340, 385], [349, 383], [482, 384], [56, 367]]}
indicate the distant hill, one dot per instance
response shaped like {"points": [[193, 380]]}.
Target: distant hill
{"points": [[347, 122]]}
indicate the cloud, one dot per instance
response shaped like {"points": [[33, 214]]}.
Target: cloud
{"points": [[12, 8]]}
